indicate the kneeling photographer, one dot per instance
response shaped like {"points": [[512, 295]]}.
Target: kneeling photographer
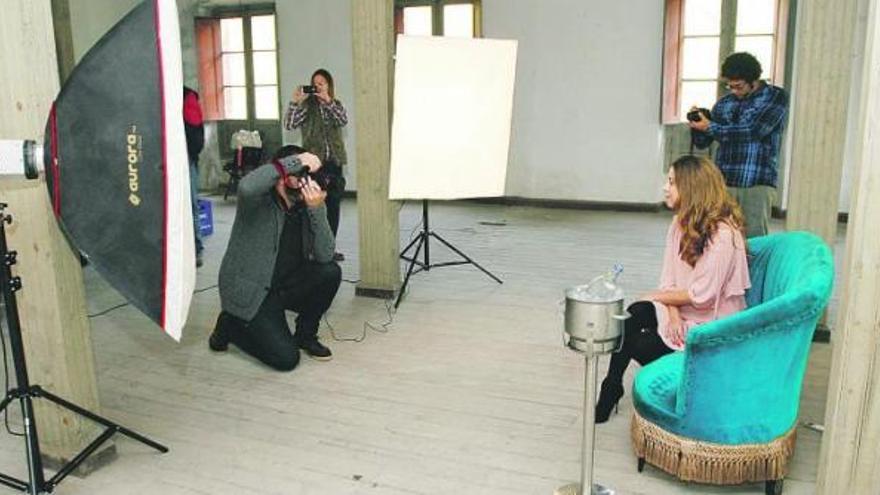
{"points": [[279, 257]]}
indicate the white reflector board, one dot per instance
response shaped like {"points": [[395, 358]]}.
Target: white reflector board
{"points": [[453, 101]]}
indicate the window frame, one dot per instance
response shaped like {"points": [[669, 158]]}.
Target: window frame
{"points": [[673, 44], [211, 65], [437, 14]]}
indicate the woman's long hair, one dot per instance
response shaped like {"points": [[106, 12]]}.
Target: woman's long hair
{"points": [[327, 77], [703, 203]]}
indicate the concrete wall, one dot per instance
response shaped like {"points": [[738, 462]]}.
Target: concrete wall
{"points": [[313, 34], [586, 116], [90, 19], [580, 131]]}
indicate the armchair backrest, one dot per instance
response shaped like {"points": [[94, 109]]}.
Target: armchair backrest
{"points": [[743, 374]]}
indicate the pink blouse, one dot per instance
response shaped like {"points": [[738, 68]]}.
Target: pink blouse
{"points": [[716, 284]]}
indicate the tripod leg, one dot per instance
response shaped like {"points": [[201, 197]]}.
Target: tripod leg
{"points": [[409, 246], [466, 257], [81, 457], [34, 461], [99, 419], [421, 240]]}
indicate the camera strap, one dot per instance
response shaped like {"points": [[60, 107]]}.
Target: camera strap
{"points": [[280, 168]]}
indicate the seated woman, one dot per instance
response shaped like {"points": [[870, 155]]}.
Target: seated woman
{"points": [[704, 276]]}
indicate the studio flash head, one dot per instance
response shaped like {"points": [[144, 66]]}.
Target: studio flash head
{"points": [[21, 157]]}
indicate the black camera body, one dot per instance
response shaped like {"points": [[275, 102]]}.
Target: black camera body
{"points": [[310, 89], [322, 178], [694, 115]]}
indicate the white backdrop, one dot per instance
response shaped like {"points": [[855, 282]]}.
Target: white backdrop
{"points": [[453, 101]]}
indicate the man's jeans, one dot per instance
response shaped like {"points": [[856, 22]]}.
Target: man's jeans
{"points": [[756, 203]]}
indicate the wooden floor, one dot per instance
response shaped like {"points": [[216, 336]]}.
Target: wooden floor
{"points": [[468, 391]]}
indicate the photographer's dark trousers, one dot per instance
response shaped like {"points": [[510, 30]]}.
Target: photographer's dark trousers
{"points": [[335, 190], [640, 340], [267, 336]]}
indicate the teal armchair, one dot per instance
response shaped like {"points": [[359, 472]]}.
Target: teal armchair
{"points": [[724, 411]]}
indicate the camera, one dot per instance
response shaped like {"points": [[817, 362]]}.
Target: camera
{"points": [[694, 115], [310, 89], [322, 178]]}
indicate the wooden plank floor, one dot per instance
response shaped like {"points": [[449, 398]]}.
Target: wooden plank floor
{"points": [[468, 391]]}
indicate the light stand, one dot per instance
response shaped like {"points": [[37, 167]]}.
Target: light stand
{"points": [[25, 392], [423, 240]]}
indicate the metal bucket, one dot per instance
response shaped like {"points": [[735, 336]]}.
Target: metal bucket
{"points": [[594, 327]]}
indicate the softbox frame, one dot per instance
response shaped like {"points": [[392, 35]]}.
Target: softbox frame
{"points": [[116, 164]]}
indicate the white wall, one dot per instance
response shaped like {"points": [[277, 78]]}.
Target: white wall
{"points": [[90, 19], [316, 34], [586, 111]]}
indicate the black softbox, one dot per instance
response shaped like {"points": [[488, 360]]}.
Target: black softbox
{"points": [[116, 163]]}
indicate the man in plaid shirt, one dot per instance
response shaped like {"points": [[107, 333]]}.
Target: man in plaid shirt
{"points": [[747, 123]]}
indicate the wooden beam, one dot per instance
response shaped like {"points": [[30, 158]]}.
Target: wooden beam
{"points": [[378, 224], [52, 306], [849, 455], [818, 120], [63, 38]]}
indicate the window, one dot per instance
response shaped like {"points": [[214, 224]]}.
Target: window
{"points": [[238, 67], [453, 18], [700, 34]]}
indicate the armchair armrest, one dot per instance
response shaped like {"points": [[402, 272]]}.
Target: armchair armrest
{"points": [[784, 310]]}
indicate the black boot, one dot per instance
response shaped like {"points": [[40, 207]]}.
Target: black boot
{"points": [[612, 391], [219, 340], [307, 340]]}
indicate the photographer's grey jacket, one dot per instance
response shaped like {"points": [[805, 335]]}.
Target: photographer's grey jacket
{"points": [[249, 262]]}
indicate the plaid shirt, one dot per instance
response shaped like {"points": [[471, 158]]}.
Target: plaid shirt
{"points": [[332, 113], [748, 132]]}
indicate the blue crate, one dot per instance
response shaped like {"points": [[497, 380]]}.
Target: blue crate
{"points": [[206, 218]]}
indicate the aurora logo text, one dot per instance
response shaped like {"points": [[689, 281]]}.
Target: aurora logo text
{"points": [[133, 152]]}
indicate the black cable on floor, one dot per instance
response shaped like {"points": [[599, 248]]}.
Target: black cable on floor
{"points": [[383, 327], [122, 305]]}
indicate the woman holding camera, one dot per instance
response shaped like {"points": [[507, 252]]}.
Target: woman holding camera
{"points": [[321, 117], [704, 277]]}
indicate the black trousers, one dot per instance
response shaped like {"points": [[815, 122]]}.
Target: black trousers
{"points": [[335, 190], [640, 341], [267, 336]]}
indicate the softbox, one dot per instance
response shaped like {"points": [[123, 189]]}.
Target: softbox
{"points": [[116, 164]]}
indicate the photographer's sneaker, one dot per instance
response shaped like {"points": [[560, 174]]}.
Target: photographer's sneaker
{"points": [[316, 350]]}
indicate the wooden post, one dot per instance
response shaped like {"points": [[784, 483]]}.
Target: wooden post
{"points": [[849, 457], [63, 38], [373, 40], [823, 63], [727, 41], [52, 306]]}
